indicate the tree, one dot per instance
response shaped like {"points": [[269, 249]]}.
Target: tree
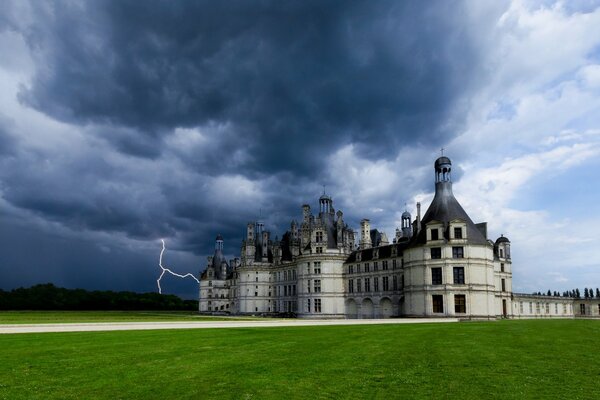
{"points": [[577, 293], [598, 293], [591, 292], [585, 293]]}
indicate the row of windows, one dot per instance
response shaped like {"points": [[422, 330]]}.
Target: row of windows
{"points": [[543, 306], [435, 233], [457, 272], [285, 306], [460, 303], [457, 252], [287, 275], [385, 283], [367, 266]]}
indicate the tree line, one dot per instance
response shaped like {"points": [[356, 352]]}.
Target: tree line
{"points": [[587, 293], [49, 297]]}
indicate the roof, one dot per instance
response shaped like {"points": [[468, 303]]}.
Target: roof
{"points": [[442, 160], [445, 208], [502, 239]]}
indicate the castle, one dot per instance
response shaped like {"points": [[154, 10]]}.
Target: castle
{"points": [[439, 265]]}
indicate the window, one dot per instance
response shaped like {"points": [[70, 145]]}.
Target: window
{"points": [[503, 285], [317, 285], [459, 275], [367, 285], [350, 269], [209, 283], [308, 305], [255, 294], [376, 284], [367, 267], [402, 282], [435, 234], [458, 233], [565, 308], [285, 276], [520, 307], [318, 305], [460, 305], [582, 309], [319, 237], [358, 287], [457, 252], [319, 250], [285, 290], [393, 264], [501, 267], [501, 253], [308, 286], [294, 273], [308, 268], [547, 308], [438, 303], [351, 286], [436, 276], [375, 266], [537, 308], [386, 283], [294, 290], [436, 252], [384, 265], [530, 307], [317, 267], [556, 308], [358, 268], [395, 282]]}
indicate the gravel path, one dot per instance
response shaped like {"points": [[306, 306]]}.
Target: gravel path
{"points": [[134, 326]]}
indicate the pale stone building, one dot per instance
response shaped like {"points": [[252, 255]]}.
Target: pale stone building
{"points": [[440, 265]]}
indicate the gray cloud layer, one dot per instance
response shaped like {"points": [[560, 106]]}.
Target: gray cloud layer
{"points": [[275, 88]]}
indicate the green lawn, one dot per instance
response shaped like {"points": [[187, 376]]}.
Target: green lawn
{"points": [[478, 360], [51, 317]]}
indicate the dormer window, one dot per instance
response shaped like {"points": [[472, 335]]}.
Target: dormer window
{"points": [[319, 236], [376, 253], [458, 233], [435, 234]]}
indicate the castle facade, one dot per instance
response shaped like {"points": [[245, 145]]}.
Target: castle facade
{"points": [[439, 265]]}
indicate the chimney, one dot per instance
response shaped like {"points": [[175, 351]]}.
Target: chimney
{"points": [[418, 217]]}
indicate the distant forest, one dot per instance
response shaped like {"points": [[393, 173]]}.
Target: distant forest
{"points": [[50, 297]]}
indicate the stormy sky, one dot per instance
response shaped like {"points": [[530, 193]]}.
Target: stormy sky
{"points": [[124, 122]]}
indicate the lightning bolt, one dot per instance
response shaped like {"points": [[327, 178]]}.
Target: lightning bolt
{"points": [[165, 269]]}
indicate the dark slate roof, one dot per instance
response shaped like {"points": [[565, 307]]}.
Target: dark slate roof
{"points": [[502, 239], [442, 160], [384, 252], [445, 208]]}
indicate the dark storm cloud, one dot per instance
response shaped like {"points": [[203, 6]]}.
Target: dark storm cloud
{"points": [[301, 77], [270, 91]]}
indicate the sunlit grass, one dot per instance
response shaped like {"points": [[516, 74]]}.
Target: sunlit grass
{"points": [[506, 359]]}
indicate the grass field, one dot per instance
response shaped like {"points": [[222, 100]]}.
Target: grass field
{"points": [[506, 359], [50, 317]]}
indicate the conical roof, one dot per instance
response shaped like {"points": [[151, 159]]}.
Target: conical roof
{"points": [[445, 208]]}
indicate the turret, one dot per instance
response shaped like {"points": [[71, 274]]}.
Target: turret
{"points": [[406, 225]]}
